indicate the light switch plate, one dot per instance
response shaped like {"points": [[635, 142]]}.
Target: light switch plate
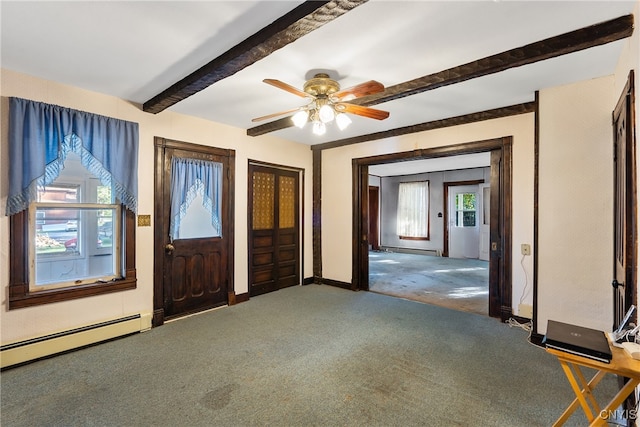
{"points": [[144, 220]]}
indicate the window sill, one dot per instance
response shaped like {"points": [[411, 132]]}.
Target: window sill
{"points": [[29, 299], [413, 238]]}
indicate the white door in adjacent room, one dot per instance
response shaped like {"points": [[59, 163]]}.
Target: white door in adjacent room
{"points": [[464, 229]]}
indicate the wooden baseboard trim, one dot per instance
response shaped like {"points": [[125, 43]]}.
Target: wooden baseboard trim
{"points": [[336, 283], [242, 297], [536, 339], [520, 319], [308, 281]]}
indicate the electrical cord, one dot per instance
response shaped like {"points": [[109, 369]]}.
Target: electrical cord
{"points": [[526, 280], [528, 326], [513, 323]]}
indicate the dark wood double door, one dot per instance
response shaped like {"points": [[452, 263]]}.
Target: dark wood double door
{"points": [[274, 249]]}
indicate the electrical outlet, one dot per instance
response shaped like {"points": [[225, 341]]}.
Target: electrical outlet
{"points": [[526, 311], [525, 248]]}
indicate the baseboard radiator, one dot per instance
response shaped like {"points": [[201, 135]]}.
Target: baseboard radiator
{"points": [[430, 252], [49, 345]]}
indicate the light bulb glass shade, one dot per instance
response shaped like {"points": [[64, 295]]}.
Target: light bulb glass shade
{"points": [[326, 113], [300, 118], [342, 120], [319, 128]]}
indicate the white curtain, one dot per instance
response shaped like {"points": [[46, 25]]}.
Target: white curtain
{"points": [[191, 177], [413, 209]]}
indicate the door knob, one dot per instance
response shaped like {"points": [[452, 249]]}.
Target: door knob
{"points": [[169, 248]]}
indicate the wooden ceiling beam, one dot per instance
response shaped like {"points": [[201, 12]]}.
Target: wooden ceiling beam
{"points": [[300, 21], [574, 41], [496, 113]]}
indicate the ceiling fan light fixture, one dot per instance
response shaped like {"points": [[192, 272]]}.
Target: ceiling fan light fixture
{"points": [[326, 113], [319, 128], [300, 118], [327, 103], [342, 120]]}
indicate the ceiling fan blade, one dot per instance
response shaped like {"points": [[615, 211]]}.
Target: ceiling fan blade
{"points": [[287, 87], [359, 110], [270, 116], [363, 89]]}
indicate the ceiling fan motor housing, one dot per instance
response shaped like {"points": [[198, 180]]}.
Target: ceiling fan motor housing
{"points": [[320, 85]]}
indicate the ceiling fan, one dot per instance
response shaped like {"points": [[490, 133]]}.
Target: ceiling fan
{"points": [[327, 102]]}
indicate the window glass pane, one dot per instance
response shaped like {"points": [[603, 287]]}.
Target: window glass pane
{"points": [[263, 200], [465, 209], [197, 221], [286, 200], [57, 232], [65, 256], [469, 219], [74, 226], [413, 209], [103, 194], [104, 217], [59, 194]]}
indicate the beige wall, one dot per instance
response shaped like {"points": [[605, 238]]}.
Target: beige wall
{"points": [[576, 152], [575, 237], [337, 191], [574, 250], [26, 323]]}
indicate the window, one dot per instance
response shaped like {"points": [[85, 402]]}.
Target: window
{"points": [[465, 214], [75, 243], [72, 201], [413, 210]]}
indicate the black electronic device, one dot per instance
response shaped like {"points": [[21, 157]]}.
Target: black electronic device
{"points": [[585, 342]]}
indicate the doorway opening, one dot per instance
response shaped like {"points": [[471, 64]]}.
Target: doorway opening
{"points": [[497, 248], [450, 267]]}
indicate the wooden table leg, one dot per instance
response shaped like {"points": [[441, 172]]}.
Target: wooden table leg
{"points": [[587, 389], [615, 403], [580, 393]]}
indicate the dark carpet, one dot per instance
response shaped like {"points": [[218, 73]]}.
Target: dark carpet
{"points": [[303, 356]]}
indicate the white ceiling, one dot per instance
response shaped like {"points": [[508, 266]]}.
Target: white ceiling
{"points": [[135, 50]]}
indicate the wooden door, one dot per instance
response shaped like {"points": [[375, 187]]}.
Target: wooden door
{"points": [[624, 286], [274, 248], [194, 272], [374, 203]]}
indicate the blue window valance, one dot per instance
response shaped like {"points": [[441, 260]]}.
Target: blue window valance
{"points": [[40, 137], [189, 178]]}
